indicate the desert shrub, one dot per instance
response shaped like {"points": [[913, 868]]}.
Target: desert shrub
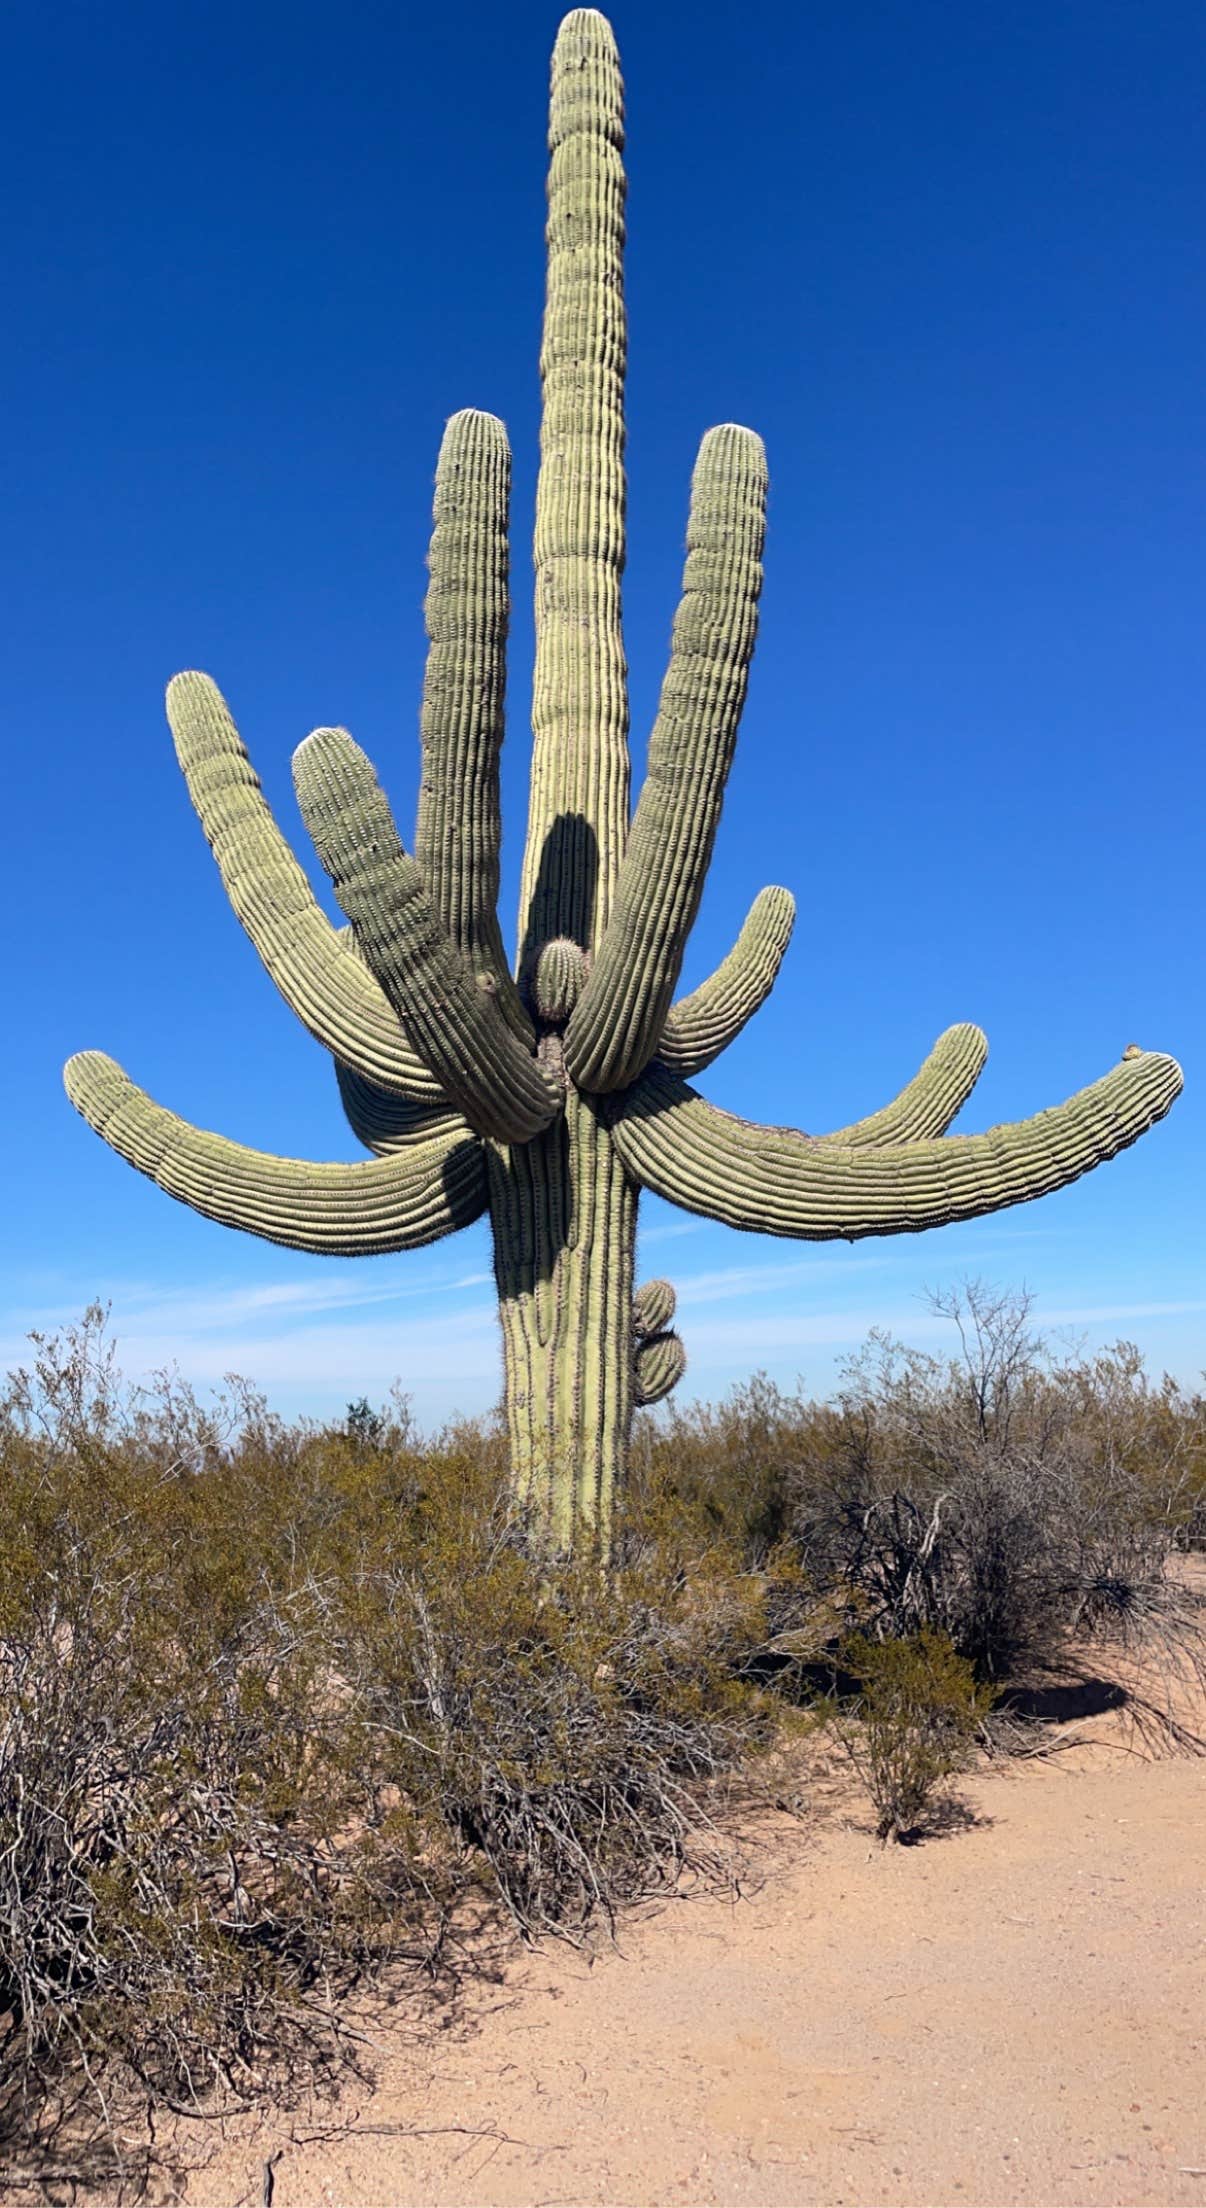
{"points": [[178, 1873], [1013, 1496], [559, 1726], [914, 1725], [1008, 1498], [727, 1469], [282, 1705]]}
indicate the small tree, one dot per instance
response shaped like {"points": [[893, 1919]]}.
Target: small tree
{"points": [[363, 1424], [551, 1096]]}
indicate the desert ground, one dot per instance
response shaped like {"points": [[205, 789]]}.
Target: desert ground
{"points": [[1011, 2012]]}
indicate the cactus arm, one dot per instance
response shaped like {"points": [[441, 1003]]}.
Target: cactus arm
{"points": [[928, 1103], [332, 994], [451, 1016], [660, 1364], [385, 1123], [773, 1180], [617, 1023], [413, 1197], [703, 1024], [652, 1308], [459, 832], [578, 813]]}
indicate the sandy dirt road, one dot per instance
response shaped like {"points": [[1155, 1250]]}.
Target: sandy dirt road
{"points": [[1012, 2014]]}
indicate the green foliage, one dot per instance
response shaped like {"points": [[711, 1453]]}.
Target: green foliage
{"points": [[918, 1715], [280, 1704], [730, 1466], [363, 1424], [1012, 1495]]}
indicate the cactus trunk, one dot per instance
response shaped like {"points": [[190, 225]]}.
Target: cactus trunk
{"points": [[563, 1209]]}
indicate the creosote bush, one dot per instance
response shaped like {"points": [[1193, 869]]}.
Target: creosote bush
{"points": [[283, 1707], [918, 1717]]}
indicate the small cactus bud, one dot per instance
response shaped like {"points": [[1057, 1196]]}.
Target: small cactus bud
{"points": [[560, 973], [652, 1307], [660, 1365]]}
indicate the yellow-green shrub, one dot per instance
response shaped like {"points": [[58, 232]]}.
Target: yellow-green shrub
{"points": [[917, 1717]]}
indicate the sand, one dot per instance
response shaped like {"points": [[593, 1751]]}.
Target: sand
{"points": [[1012, 2013]]}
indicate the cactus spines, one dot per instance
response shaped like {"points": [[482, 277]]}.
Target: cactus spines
{"points": [[557, 983], [928, 1103], [330, 990], [552, 1098], [703, 1024], [578, 809], [652, 1307], [454, 1024], [660, 1364], [659, 1359], [411, 1196], [776, 1181], [618, 1020]]}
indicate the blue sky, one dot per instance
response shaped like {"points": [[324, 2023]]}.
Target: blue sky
{"points": [[948, 261]]}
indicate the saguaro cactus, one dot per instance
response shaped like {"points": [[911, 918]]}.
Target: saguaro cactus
{"points": [[552, 1097]]}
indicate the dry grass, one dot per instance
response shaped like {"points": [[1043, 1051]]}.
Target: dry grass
{"points": [[287, 1710]]}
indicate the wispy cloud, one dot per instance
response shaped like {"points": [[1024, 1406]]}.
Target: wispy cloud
{"points": [[337, 1335], [316, 1360], [315, 1343], [727, 1344], [672, 1230], [1108, 1314], [225, 1305], [731, 1283]]}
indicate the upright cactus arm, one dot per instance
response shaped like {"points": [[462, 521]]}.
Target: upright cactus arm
{"points": [[773, 1180], [412, 1197], [451, 1016], [578, 813], [617, 1023], [459, 832], [703, 1024], [332, 993], [928, 1103]]}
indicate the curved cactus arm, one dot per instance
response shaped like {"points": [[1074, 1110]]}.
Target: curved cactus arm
{"points": [[660, 1364], [451, 1016], [703, 1024], [459, 832], [928, 1103], [773, 1180], [385, 1123], [578, 812], [617, 1023], [332, 994], [408, 1199]]}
